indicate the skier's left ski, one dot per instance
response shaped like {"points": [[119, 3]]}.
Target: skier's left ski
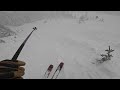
{"points": [[48, 71]]}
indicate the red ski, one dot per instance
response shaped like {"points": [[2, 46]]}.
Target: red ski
{"points": [[55, 75], [48, 71]]}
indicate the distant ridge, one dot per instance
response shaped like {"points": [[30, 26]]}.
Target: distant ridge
{"points": [[5, 31]]}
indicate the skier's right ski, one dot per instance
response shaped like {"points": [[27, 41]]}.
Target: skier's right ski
{"points": [[48, 71], [57, 70]]}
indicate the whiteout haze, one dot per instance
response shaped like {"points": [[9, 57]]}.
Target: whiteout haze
{"points": [[77, 40]]}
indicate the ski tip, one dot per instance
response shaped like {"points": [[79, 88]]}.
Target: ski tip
{"points": [[51, 66], [61, 63]]}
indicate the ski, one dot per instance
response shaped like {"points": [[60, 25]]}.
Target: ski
{"points": [[48, 71], [60, 66], [14, 58]]}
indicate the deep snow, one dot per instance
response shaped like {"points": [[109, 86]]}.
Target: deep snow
{"points": [[75, 44]]}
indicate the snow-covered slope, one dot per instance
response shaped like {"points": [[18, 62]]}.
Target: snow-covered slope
{"points": [[75, 44]]}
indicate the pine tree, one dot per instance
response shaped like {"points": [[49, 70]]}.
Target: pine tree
{"points": [[107, 56]]}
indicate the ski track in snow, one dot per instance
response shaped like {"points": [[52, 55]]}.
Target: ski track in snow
{"points": [[77, 45]]}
